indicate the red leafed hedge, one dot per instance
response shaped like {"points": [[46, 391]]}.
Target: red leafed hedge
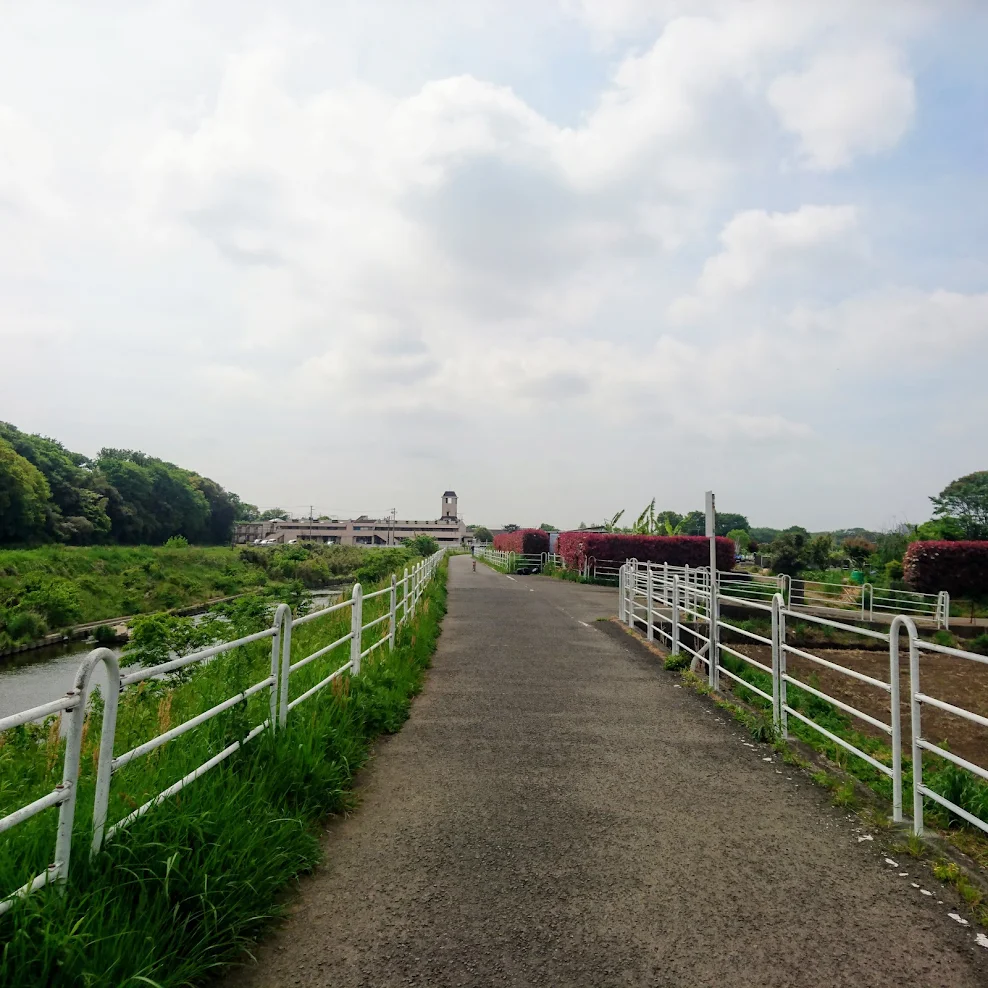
{"points": [[526, 541], [960, 568], [677, 550]]}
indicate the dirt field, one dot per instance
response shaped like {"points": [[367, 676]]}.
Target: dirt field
{"points": [[957, 681]]}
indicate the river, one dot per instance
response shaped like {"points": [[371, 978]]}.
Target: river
{"points": [[28, 679]]}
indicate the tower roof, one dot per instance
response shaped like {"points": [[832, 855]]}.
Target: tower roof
{"points": [[449, 493]]}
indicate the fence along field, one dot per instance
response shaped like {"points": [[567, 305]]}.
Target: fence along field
{"points": [[871, 693], [257, 679]]}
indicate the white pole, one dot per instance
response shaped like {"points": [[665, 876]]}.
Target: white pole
{"points": [[393, 612], [356, 628], [714, 653]]}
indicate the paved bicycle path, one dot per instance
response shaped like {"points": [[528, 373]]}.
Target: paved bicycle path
{"points": [[558, 812]]}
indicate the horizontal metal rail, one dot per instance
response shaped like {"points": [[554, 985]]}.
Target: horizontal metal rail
{"points": [[397, 608]]}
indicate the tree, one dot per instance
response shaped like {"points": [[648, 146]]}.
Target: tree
{"points": [[511, 528], [858, 549], [271, 513], [482, 534], [668, 522], [789, 551], [728, 521], [819, 551], [939, 530], [423, 545], [695, 523], [24, 494], [741, 540], [244, 511], [966, 499], [765, 535], [546, 527]]}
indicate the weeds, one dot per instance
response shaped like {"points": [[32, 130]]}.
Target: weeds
{"points": [[196, 880]]}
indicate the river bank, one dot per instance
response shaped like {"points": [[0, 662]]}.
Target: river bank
{"points": [[54, 593], [33, 675]]}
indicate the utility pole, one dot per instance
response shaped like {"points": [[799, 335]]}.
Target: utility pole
{"points": [[310, 522], [391, 530]]}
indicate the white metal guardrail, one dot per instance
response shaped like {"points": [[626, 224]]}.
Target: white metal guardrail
{"points": [[673, 604], [397, 604], [513, 562]]}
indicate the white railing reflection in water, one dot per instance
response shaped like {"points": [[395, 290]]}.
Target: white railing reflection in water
{"points": [[402, 597], [672, 604]]}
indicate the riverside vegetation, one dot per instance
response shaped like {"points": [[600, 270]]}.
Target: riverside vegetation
{"points": [[195, 881], [55, 587]]}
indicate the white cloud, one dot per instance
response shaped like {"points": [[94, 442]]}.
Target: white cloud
{"points": [[354, 233], [758, 244], [845, 104]]}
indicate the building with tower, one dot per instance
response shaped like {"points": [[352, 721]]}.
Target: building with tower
{"points": [[449, 530]]}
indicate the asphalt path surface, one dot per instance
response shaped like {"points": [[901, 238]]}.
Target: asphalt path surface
{"points": [[559, 811]]}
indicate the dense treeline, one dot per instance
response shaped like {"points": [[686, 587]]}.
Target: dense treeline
{"points": [[50, 494]]}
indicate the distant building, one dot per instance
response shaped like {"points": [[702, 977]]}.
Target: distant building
{"points": [[448, 530]]}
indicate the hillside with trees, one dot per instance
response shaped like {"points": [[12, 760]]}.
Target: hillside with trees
{"points": [[50, 494]]}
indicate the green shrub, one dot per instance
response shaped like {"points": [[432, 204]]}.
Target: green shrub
{"points": [[979, 644], [177, 542], [675, 662], [314, 573], [26, 626], [104, 635], [54, 597]]}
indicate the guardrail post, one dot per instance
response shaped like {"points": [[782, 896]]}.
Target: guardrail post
{"points": [[916, 725], [714, 635], [622, 577], [665, 583], [404, 597], [943, 609], [675, 615], [898, 623], [648, 608], [282, 641], [783, 691], [393, 612], [356, 628], [632, 585], [777, 605], [104, 771]]}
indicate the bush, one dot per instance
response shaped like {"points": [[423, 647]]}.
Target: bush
{"points": [[524, 541], [677, 550], [314, 573], [960, 568], [423, 545], [177, 542], [104, 635], [26, 626], [54, 597]]}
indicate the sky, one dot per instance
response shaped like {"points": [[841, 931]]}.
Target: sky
{"points": [[558, 257]]}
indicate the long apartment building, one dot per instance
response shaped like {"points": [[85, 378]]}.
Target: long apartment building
{"points": [[448, 530]]}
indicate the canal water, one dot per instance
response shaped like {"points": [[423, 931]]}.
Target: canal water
{"points": [[28, 679]]}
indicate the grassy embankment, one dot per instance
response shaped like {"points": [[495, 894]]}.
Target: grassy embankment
{"points": [[56, 587], [195, 880]]}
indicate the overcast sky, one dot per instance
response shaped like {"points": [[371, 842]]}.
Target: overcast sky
{"points": [[560, 256]]}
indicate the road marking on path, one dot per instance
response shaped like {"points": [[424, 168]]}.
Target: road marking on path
{"points": [[511, 578], [584, 623]]}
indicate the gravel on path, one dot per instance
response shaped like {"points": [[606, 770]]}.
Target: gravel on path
{"points": [[558, 811]]}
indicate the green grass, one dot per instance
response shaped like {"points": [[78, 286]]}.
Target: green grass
{"points": [[198, 878], [54, 587]]}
